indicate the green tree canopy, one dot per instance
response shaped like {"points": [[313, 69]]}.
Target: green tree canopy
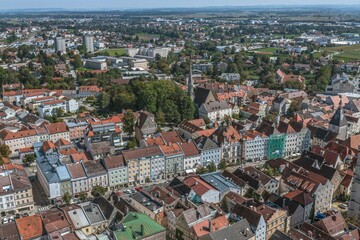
{"points": [[129, 122], [67, 198], [5, 150], [98, 191]]}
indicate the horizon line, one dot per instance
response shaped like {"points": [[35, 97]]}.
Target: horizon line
{"points": [[174, 8]]}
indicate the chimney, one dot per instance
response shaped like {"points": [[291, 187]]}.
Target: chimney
{"points": [[333, 218], [158, 194], [284, 200], [210, 226]]}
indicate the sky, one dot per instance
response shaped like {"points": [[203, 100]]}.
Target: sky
{"points": [[131, 4]]}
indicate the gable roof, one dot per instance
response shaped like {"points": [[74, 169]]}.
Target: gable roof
{"points": [[199, 186]]}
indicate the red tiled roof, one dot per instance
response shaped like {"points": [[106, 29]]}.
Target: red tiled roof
{"points": [[199, 186], [47, 145], [7, 135], [55, 128], [30, 227], [207, 226]]}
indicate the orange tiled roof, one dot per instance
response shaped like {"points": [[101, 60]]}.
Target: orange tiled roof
{"points": [[199, 186], [30, 227]]}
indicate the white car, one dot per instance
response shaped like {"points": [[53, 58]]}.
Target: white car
{"points": [[343, 205], [5, 220]]}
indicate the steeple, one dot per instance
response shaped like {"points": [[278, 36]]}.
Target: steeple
{"points": [[338, 123]]}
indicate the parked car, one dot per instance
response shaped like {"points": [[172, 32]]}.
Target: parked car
{"points": [[5, 220], [343, 205]]}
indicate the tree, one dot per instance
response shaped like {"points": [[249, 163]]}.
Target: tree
{"points": [[29, 158], [98, 191], [252, 194], [67, 198], [59, 112], [77, 63], [201, 170], [104, 101], [129, 122], [211, 167], [82, 197], [1, 161], [222, 165], [131, 144], [5, 150]]}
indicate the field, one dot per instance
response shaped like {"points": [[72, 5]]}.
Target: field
{"points": [[146, 36], [114, 52], [348, 53]]}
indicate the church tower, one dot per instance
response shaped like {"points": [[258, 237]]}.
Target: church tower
{"points": [[338, 123]]}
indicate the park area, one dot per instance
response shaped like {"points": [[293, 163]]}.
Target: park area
{"points": [[114, 52]]}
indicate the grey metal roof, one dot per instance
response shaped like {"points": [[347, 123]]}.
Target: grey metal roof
{"points": [[78, 218], [93, 212], [216, 180], [63, 173]]}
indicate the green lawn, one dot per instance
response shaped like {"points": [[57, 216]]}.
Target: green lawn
{"points": [[114, 52], [146, 36]]}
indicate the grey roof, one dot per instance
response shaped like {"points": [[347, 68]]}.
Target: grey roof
{"points": [[205, 143], [216, 106], [278, 235], [78, 218], [146, 200], [93, 212], [240, 231], [219, 182], [63, 173], [339, 118], [47, 170]]}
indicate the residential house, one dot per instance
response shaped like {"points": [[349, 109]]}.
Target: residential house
{"points": [[9, 231], [210, 151], [257, 180], [215, 111], [255, 219], [219, 182], [139, 226], [254, 145], [240, 230], [96, 174], [229, 140], [95, 216], [55, 223], [188, 218], [79, 180], [192, 156], [174, 159], [143, 202], [16, 194], [143, 163], [117, 171], [31, 227], [201, 191], [145, 125]]}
